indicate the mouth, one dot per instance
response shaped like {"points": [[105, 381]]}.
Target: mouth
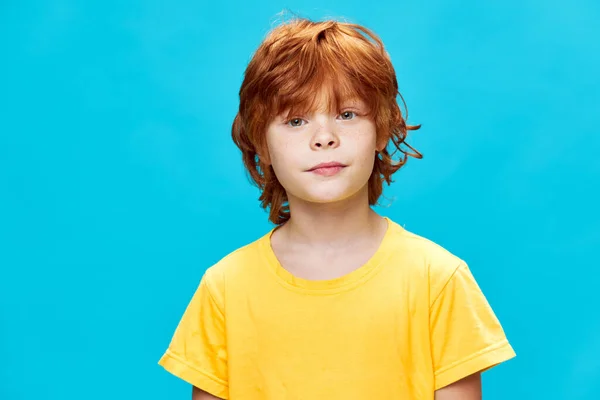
{"points": [[328, 168]]}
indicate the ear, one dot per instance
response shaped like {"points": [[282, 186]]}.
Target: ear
{"points": [[264, 158], [382, 142]]}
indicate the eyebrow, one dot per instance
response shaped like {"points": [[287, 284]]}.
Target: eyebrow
{"points": [[347, 102], [352, 104], [357, 103]]}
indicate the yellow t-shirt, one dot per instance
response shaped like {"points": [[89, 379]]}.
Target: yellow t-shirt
{"points": [[408, 322]]}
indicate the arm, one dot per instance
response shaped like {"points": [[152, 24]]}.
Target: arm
{"points": [[468, 388], [198, 394], [197, 352]]}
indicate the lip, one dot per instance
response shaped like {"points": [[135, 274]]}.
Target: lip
{"points": [[332, 164], [327, 169]]}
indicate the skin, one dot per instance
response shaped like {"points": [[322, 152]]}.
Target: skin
{"points": [[198, 394], [333, 230], [468, 388]]}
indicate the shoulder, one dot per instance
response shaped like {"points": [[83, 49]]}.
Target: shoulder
{"points": [[428, 258], [237, 263]]}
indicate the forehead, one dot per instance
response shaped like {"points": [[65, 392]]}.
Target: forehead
{"points": [[329, 98]]}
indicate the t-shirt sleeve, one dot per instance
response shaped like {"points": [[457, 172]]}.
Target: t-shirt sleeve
{"points": [[197, 352], [466, 336]]}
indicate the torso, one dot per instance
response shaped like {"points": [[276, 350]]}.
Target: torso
{"points": [[326, 263], [335, 327]]}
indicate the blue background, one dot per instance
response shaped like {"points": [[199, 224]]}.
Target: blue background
{"points": [[119, 184]]}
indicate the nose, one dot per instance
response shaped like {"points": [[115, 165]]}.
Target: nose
{"points": [[325, 138]]}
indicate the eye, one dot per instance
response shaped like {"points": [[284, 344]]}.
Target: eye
{"points": [[295, 122], [348, 115]]}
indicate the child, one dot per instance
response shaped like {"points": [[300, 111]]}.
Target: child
{"points": [[335, 302]]}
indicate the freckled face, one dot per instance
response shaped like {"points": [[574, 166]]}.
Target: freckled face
{"points": [[346, 142]]}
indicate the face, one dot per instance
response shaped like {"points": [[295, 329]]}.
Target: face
{"points": [[344, 143]]}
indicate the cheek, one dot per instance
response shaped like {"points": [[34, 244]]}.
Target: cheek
{"points": [[277, 151], [366, 145], [282, 156]]}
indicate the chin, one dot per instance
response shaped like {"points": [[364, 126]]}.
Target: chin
{"points": [[324, 197], [325, 192]]}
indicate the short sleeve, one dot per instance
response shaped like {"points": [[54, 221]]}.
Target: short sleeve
{"points": [[197, 352], [466, 336]]}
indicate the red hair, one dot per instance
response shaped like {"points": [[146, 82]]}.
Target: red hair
{"points": [[295, 60]]}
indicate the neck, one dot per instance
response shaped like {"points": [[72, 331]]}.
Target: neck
{"points": [[332, 224]]}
